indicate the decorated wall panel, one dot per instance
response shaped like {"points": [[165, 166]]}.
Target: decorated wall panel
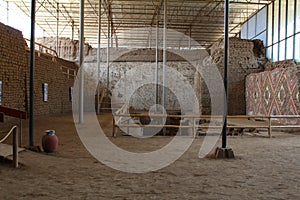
{"points": [[274, 92]]}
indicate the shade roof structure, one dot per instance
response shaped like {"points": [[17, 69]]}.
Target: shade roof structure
{"points": [[132, 21]]}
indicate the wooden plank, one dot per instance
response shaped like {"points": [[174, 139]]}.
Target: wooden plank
{"points": [[13, 112], [7, 150], [1, 117]]}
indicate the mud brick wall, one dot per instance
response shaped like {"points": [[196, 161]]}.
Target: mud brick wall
{"points": [[13, 63], [48, 70], [14, 74], [243, 60], [275, 92]]}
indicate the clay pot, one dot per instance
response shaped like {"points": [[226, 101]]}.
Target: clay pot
{"points": [[50, 141]]}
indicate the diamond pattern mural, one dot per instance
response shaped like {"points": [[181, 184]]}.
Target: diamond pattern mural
{"points": [[274, 92]]}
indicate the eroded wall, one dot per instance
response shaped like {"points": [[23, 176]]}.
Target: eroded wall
{"points": [[245, 57]]}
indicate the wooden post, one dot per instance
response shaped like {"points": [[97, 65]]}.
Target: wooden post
{"points": [[20, 130], [269, 126], [194, 132], [15, 147], [114, 124], [1, 117]]}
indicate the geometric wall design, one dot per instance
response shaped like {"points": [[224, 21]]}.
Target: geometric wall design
{"points": [[274, 92]]}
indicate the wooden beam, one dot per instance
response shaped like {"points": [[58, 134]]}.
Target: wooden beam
{"points": [[13, 112]]}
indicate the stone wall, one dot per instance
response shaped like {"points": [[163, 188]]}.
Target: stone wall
{"points": [[275, 92], [14, 74], [245, 57]]}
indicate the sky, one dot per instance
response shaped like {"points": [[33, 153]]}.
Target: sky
{"points": [[15, 18]]}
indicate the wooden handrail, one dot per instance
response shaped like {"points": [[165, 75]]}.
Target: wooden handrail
{"points": [[194, 126], [14, 131], [45, 47], [187, 116], [13, 112], [17, 114]]}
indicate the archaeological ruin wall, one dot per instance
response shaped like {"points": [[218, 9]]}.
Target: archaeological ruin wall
{"points": [[132, 77], [128, 70], [67, 49], [275, 91], [245, 57], [14, 74], [13, 67]]}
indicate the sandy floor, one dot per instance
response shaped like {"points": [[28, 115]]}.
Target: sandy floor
{"points": [[263, 169]]}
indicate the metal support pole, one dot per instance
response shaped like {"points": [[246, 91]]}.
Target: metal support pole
{"points": [[7, 13], [111, 26], [164, 54], [226, 57], [57, 23], [149, 38], [116, 40], [295, 24], [286, 28], [81, 49], [107, 55], [98, 57], [156, 60], [164, 59], [31, 81], [111, 33], [190, 35], [72, 30]]}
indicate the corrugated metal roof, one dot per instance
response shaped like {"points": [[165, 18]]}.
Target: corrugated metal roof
{"points": [[132, 20]]}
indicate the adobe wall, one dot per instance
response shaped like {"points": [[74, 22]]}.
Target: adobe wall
{"points": [[14, 74], [48, 70], [13, 64], [245, 57], [133, 82]]}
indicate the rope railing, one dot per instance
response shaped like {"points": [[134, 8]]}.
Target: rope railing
{"points": [[8, 134], [14, 131]]}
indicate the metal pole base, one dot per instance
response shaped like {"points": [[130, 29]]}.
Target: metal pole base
{"points": [[34, 148], [222, 153]]}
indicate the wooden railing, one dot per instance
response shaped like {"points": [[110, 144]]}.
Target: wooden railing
{"points": [[47, 51], [42, 49], [70, 73], [14, 113], [194, 122], [111, 106], [14, 131]]}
